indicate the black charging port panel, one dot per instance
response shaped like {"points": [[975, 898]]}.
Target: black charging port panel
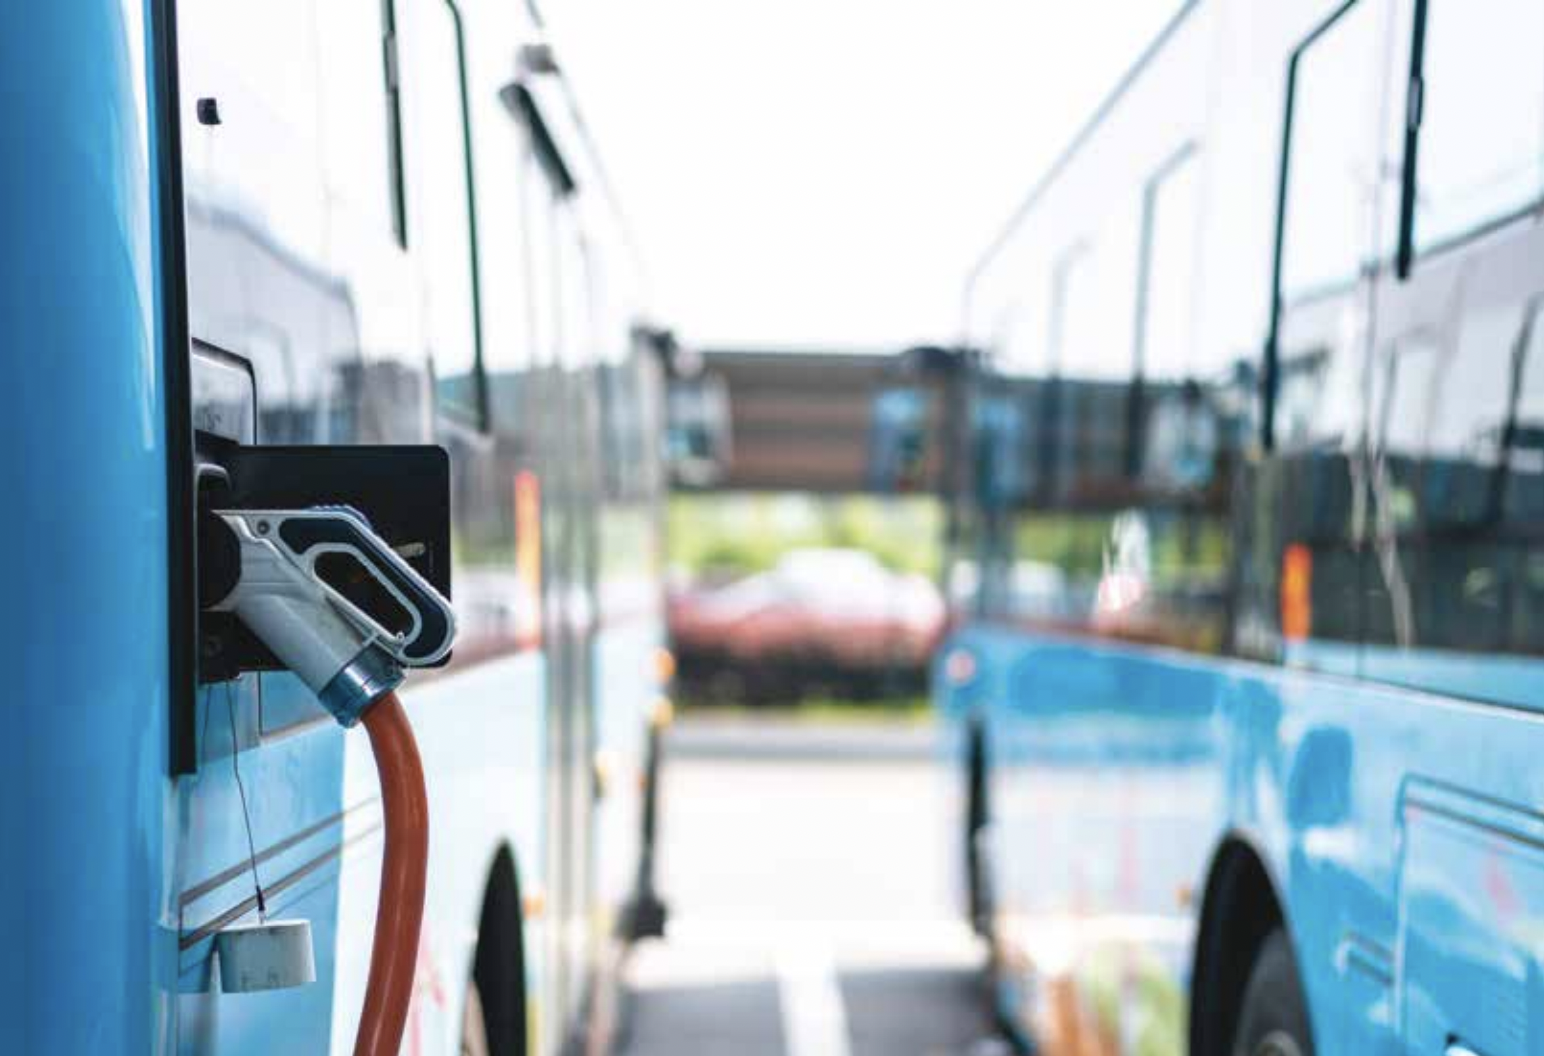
{"points": [[402, 490]]}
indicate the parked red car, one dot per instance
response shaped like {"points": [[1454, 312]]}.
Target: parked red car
{"points": [[821, 620]]}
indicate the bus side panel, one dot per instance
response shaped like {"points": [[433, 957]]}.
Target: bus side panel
{"points": [[626, 686], [1119, 771], [90, 949], [1106, 796], [283, 800], [481, 734], [1472, 881]]}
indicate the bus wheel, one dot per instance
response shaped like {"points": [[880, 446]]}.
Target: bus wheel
{"points": [[496, 1013], [1274, 1018], [978, 870]]}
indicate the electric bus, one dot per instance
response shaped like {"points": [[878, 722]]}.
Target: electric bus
{"points": [[317, 226], [1243, 683]]}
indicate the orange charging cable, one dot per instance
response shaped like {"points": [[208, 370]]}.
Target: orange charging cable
{"points": [[399, 915]]}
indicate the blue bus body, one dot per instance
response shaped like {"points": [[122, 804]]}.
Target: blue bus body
{"points": [[1247, 643], [87, 714], [315, 223]]}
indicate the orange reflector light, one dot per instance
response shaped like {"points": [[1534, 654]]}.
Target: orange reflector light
{"points": [[664, 665], [1296, 592]]}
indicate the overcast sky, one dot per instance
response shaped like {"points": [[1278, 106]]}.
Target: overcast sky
{"points": [[822, 173]]}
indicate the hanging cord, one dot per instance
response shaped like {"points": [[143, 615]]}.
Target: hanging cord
{"points": [[241, 790]]}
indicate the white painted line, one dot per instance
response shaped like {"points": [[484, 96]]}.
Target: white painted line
{"points": [[814, 1022], [899, 934]]}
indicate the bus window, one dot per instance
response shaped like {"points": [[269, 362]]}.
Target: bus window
{"points": [[1522, 501], [538, 204], [1332, 175], [1414, 373], [1165, 297], [257, 211], [1481, 155], [1173, 425], [1078, 420], [1453, 491], [1074, 309], [697, 429], [898, 440], [358, 139], [997, 461], [1308, 562], [445, 213]]}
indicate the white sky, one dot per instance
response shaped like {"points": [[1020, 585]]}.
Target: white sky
{"points": [[822, 173]]}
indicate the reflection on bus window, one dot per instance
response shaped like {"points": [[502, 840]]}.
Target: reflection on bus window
{"points": [[1164, 310], [1001, 473], [898, 440], [1332, 177], [1182, 439], [1145, 559], [1482, 119], [697, 437], [1457, 491], [356, 122], [445, 208]]}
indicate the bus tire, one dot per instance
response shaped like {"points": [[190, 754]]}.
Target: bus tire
{"points": [[498, 971], [978, 870], [1273, 1019]]}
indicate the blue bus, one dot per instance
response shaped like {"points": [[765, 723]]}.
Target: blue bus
{"points": [[1243, 682], [314, 226]]}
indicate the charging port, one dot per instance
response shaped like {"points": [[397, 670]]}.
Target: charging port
{"points": [[403, 492]]}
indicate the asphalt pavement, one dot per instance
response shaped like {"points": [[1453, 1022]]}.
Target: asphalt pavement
{"points": [[813, 907]]}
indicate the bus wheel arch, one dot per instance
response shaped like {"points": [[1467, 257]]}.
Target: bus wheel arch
{"points": [[498, 980], [1241, 910]]}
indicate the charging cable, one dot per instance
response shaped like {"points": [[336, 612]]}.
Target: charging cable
{"points": [[337, 606]]}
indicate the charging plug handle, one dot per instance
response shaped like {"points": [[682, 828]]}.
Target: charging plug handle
{"points": [[346, 655]]}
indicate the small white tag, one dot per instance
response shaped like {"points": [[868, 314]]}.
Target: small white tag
{"points": [[273, 955]]}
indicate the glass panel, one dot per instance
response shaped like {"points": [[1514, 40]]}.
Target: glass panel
{"points": [[444, 210], [540, 261], [1482, 127], [576, 327], [1523, 501], [1332, 178], [1170, 272], [1178, 425], [355, 121]]}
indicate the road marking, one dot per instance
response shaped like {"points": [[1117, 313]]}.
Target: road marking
{"points": [[814, 1022]]}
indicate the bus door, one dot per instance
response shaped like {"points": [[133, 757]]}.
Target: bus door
{"points": [[1333, 187], [584, 481], [559, 314]]}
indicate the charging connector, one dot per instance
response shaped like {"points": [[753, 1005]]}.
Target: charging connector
{"points": [[337, 606], [334, 603]]}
